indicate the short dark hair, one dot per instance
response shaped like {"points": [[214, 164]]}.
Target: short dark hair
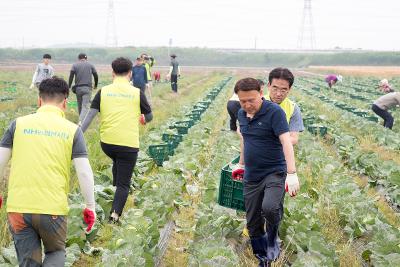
{"points": [[82, 56], [261, 82], [121, 65], [173, 56], [54, 88], [47, 56], [247, 84], [281, 73]]}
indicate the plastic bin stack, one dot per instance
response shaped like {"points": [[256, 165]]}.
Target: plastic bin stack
{"points": [[161, 152], [230, 194]]}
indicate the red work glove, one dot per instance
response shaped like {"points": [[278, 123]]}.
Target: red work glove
{"points": [[1, 201], [142, 119], [89, 216], [238, 172]]}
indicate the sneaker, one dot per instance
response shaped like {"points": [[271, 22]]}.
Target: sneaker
{"points": [[112, 220]]}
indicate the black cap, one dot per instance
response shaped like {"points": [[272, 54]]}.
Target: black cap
{"points": [[173, 55], [82, 56]]}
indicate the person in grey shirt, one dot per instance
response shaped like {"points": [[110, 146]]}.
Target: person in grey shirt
{"points": [[174, 73], [383, 104], [83, 71], [43, 71]]}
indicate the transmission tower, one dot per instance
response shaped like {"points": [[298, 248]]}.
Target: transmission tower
{"points": [[111, 30], [306, 35]]}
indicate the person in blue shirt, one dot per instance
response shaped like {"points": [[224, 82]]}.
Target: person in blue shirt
{"points": [[269, 164], [139, 75]]}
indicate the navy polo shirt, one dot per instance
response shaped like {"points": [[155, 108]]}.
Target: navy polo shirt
{"points": [[263, 152]]}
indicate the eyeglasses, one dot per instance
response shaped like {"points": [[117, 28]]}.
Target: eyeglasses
{"points": [[280, 90]]}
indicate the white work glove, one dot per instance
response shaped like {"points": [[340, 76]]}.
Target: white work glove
{"points": [[292, 185], [32, 85]]}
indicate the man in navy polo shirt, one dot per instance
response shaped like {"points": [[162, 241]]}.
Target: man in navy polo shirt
{"points": [[269, 165]]}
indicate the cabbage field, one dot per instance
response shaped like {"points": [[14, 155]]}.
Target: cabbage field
{"points": [[347, 212]]}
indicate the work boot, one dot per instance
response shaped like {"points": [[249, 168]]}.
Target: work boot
{"points": [[259, 246], [273, 247]]}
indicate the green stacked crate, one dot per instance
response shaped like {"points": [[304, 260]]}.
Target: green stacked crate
{"points": [[159, 153], [371, 118], [230, 191], [317, 129], [182, 126], [172, 140], [309, 121], [194, 115]]}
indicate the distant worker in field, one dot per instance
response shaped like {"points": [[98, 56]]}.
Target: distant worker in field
{"points": [[83, 72], [122, 107], [233, 107], [174, 73], [332, 79], [157, 76], [43, 71], [139, 75], [41, 147], [148, 63], [383, 104], [385, 87], [269, 161]]}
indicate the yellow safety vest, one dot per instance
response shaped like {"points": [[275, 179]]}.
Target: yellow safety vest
{"points": [[287, 105], [119, 113], [147, 66], [40, 164]]}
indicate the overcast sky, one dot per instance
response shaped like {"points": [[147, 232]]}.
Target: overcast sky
{"points": [[366, 24]]}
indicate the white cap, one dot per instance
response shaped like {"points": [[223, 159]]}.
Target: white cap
{"points": [[384, 82]]}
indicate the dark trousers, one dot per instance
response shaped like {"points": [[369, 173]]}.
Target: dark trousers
{"points": [[264, 204], [174, 82], [263, 201], [388, 119], [233, 109], [124, 161], [29, 231]]}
